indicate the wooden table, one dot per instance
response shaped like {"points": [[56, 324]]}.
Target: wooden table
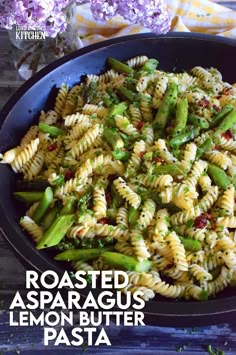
{"points": [[125, 340]]}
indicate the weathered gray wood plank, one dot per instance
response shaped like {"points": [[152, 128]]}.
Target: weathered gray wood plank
{"points": [[135, 340], [12, 272]]}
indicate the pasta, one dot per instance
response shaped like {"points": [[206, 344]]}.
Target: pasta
{"points": [[61, 99], [35, 165], [135, 159], [146, 214], [146, 107], [122, 216], [135, 114], [127, 193], [162, 150], [137, 61], [138, 243], [32, 228], [29, 136], [86, 141], [25, 155], [178, 251], [99, 201], [159, 91], [109, 153]]}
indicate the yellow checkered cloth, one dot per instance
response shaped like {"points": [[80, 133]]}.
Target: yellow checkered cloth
{"points": [[187, 15]]}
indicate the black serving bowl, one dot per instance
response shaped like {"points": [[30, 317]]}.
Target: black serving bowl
{"points": [[175, 51]]}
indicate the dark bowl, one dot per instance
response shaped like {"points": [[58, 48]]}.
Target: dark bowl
{"points": [[176, 51]]}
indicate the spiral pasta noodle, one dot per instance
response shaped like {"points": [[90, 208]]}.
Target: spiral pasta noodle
{"points": [[137, 61], [146, 214], [165, 154], [127, 193], [122, 217], [86, 141], [32, 228], [25, 155], [139, 245], [99, 201], [61, 99]]}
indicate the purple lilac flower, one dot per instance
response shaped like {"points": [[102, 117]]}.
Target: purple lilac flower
{"points": [[51, 15], [152, 14], [104, 9], [46, 14]]}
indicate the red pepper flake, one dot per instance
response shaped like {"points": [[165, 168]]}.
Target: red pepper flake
{"points": [[200, 222], [52, 147], [207, 215], [217, 147], [108, 197], [228, 135], [81, 231], [216, 108], [69, 174], [158, 160], [103, 221], [140, 125], [204, 103], [168, 266], [229, 91], [141, 154], [213, 223]]}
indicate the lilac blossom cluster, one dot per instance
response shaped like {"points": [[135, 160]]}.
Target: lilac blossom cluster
{"points": [[51, 14], [152, 14], [45, 14]]}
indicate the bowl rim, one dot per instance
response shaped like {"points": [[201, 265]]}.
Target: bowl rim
{"points": [[184, 309], [99, 45]]}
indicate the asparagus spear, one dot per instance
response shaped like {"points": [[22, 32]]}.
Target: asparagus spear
{"points": [[181, 116], [204, 147], [184, 137], [90, 92], [198, 121], [121, 154], [133, 215], [203, 295], [119, 66], [149, 66], [69, 206], [125, 262], [118, 109], [128, 94], [52, 130], [228, 122], [49, 218], [218, 175], [173, 170], [113, 138], [220, 115], [28, 196], [190, 244], [44, 204], [56, 232], [81, 254], [166, 107]]}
